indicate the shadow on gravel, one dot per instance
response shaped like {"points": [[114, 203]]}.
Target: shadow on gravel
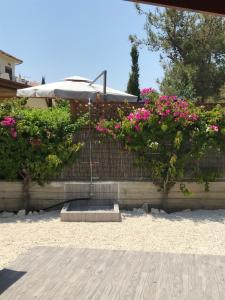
{"points": [[198, 216], [31, 217]]}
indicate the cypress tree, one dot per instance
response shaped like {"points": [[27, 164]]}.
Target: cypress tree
{"points": [[43, 80], [133, 82]]}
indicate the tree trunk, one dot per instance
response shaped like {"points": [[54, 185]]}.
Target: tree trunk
{"points": [[164, 201], [26, 191]]}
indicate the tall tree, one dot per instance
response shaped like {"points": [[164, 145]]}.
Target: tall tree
{"points": [[47, 100], [193, 50], [133, 82]]}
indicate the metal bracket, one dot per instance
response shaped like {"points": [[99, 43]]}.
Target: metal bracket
{"points": [[104, 74]]}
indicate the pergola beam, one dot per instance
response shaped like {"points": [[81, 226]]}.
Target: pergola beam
{"points": [[213, 7]]}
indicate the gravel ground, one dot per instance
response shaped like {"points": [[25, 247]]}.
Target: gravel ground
{"points": [[200, 232]]}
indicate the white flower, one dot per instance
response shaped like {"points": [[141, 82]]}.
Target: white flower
{"points": [[153, 145]]}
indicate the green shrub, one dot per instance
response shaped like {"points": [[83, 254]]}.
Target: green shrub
{"points": [[36, 144]]}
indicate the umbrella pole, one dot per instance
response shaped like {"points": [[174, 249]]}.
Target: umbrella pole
{"points": [[104, 74], [104, 84]]}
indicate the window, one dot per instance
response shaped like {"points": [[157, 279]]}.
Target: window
{"points": [[9, 71]]}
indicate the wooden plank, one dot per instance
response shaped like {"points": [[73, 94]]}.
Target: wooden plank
{"points": [[135, 186], [53, 186], [141, 197], [196, 203], [199, 188], [10, 186], [68, 273], [11, 204], [10, 194], [203, 196], [47, 196]]}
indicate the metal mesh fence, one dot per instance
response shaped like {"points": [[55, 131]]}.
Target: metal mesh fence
{"points": [[110, 162]]}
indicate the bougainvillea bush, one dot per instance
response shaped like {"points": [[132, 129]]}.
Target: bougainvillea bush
{"points": [[170, 135], [36, 144]]}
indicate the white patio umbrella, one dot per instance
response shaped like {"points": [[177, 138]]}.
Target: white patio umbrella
{"points": [[77, 88]]}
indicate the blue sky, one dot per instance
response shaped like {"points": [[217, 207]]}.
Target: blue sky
{"points": [[58, 38]]}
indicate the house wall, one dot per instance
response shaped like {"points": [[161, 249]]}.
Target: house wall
{"points": [[129, 194], [6, 61], [37, 103], [6, 93]]}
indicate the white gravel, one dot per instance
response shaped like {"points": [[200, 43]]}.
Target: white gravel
{"points": [[200, 232]]}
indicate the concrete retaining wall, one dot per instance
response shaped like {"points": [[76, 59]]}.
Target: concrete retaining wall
{"points": [[129, 194]]}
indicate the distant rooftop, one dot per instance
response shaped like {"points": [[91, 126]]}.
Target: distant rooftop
{"points": [[17, 60]]}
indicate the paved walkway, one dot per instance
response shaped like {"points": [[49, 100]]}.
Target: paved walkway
{"points": [[69, 273]]}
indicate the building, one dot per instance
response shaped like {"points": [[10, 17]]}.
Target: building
{"points": [[9, 82]]}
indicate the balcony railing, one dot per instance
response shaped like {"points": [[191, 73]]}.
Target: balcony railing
{"points": [[19, 78]]}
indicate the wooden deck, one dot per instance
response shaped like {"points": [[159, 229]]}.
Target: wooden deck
{"points": [[68, 273]]}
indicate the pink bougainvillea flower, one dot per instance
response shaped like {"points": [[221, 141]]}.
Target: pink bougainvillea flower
{"points": [[117, 126], [147, 91], [8, 121], [137, 128], [13, 133], [214, 128], [139, 114], [176, 107], [193, 117], [99, 128], [131, 116]]}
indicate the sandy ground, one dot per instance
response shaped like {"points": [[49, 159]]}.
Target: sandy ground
{"points": [[200, 232]]}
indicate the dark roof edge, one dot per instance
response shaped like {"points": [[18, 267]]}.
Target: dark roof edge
{"points": [[19, 61]]}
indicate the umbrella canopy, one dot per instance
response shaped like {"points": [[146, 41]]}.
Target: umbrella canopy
{"points": [[74, 87]]}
